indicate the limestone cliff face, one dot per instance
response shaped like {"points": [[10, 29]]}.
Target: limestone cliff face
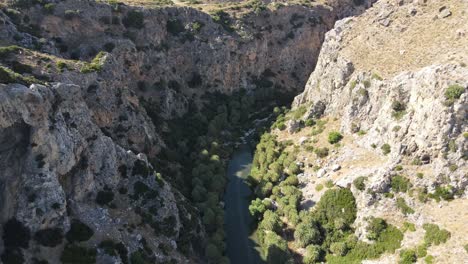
{"points": [[379, 76], [59, 167]]}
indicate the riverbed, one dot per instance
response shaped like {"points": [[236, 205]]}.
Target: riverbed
{"points": [[241, 247]]}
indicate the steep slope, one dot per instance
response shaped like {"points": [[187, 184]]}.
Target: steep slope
{"points": [[89, 90], [384, 114]]}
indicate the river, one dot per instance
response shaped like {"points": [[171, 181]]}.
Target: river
{"points": [[241, 248]]}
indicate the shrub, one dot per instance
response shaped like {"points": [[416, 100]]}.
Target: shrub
{"points": [[61, 65], [421, 251], [5, 51], [73, 254], [429, 259], [454, 92], [329, 184], [306, 234], [385, 148], [50, 237], [79, 232], [15, 234], [133, 19], [312, 254], [276, 249], [321, 152], [319, 187], [434, 235], [49, 8], [375, 227], [408, 226], [96, 64], [398, 106], [334, 137], [405, 209], [257, 208], [400, 184], [339, 248], [359, 183], [271, 221], [407, 256], [104, 197], [174, 26], [336, 203]]}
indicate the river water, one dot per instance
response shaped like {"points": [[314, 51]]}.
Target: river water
{"points": [[241, 248]]}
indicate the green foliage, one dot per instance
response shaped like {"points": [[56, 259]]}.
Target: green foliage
{"points": [[334, 137], [429, 259], [276, 249], [96, 65], [375, 228], [405, 209], [421, 251], [321, 152], [74, 254], [312, 254], [49, 237], [271, 222], [7, 50], [339, 248], [222, 18], [454, 92], [329, 184], [434, 235], [79, 232], [400, 184], [306, 233], [49, 8], [407, 226], [257, 208], [407, 256], [319, 187], [134, 19], [443, 192], [9, 76], [61, 65], [386, 149], [359, 183], [298, 112], [336, 203]]}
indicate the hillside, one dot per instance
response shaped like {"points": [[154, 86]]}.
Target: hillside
{"points": [[384, 116]]}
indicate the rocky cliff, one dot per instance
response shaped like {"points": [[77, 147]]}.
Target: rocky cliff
{"points": [[88, 89], [393, 81]]}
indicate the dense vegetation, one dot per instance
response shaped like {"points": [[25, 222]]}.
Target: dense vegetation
{"points": [[325, 231]]}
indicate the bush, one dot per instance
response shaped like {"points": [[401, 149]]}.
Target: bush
{"points": [[434, 235], [49, 8], [276, 249], [5, 51], [407, 256], [174, 26], [454, 92], [15, 234], [73, 254], [61, 65], [321, 152], [375, 227], [339, 248], [319, 187], [405, 209], [134, 19], [79, 232], [407, 226], [359, 183], [96, 64], [271, 221], [336, 203], [329, 184], [400, 184], [312, 254], [334, 137], [385, 149], [104, 197], [50, 237], [306, 234]]}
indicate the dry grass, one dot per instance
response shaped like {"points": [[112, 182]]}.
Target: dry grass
{"points": [[409, 42]]}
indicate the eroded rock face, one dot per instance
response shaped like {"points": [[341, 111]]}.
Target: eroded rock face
{"points": [[407, 118], [58, 166]]}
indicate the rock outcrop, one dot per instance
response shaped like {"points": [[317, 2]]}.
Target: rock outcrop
{"points": [[399, 109]]}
